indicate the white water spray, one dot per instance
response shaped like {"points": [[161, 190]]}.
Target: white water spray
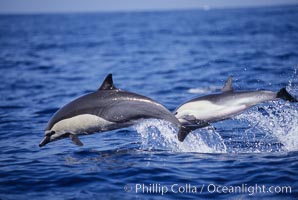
{"points": [[161, 135]]}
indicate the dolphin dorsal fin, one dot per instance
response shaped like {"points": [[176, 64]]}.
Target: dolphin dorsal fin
{"points": [[107, 84], [228, 85]]}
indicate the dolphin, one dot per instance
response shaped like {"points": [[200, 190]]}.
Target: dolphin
{"points": [[201, 111], [106, 109]]}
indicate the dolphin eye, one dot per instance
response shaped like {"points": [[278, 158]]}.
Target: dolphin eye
{"points": [[176, 113]]}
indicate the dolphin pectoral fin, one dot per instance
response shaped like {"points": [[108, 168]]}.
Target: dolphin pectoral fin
{"points": [[74, 138], [193, 121], [189, 118]]}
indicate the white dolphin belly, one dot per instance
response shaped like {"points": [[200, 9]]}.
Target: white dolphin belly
{"points": [[84, 123], [208, 111]]}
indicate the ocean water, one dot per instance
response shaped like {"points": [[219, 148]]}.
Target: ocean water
{"points": [[48, 60]]}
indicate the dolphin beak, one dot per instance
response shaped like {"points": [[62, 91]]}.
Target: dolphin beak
{"points": [[45, 141]]}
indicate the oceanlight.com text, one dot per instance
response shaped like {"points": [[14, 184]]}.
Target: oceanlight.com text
{"points": [[162, 189]]}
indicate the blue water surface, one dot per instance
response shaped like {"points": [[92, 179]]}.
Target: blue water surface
{"points": [[48, 60]]}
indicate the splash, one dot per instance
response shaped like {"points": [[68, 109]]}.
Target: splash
{"points": [[277, 120], [292, 82], [161, 135]]}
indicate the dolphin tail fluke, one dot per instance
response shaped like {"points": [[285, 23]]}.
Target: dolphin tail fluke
{"points": [[283, 94], [184, 131], [191, 126]]}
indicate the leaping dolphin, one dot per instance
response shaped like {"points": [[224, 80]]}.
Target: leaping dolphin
{"points": [[200, 111], [106, 109]]}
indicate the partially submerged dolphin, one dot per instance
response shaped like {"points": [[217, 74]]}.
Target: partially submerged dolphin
{"points": [[201, 111], [106, 109]]}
